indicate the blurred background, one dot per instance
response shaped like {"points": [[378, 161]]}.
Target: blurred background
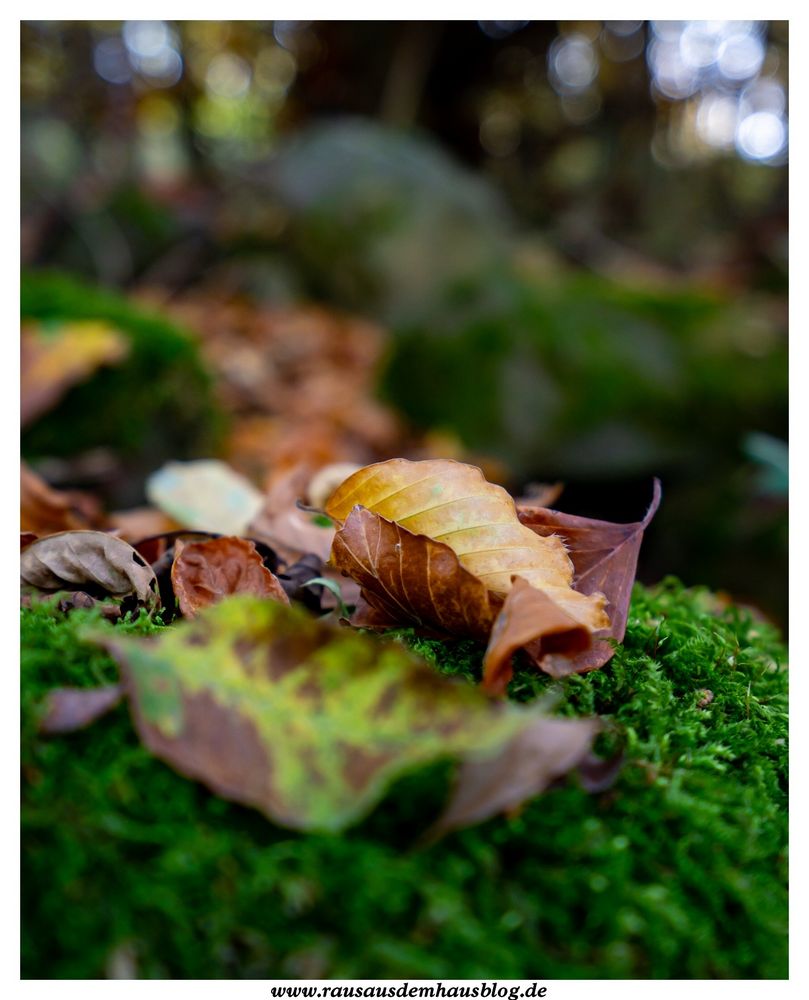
{"points": [[557, 249]]}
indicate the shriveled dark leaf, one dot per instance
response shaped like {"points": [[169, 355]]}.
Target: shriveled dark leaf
{"points": [[529, 616], [308, 722], [205, 572], [605, 559], [411, 579], [534, 758], [26, 538], [69, 709], [90, 561]]}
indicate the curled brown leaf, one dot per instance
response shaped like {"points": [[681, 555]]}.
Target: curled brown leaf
{"points": [[529, 616], [605, 560], [205, 572]]}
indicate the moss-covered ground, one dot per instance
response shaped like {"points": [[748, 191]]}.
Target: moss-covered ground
{"points": [[677, 871]]}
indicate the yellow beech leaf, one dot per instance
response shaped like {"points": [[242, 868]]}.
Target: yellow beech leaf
{"points": [[451, 502]]}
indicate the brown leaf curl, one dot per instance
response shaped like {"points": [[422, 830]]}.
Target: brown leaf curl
{"points": [[205, 572]]}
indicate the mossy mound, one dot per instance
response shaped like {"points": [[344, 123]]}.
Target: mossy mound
{"points": [[677, 871], [158, 404]]}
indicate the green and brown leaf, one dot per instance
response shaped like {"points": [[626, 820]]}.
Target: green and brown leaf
{"points": [[310, 723]]}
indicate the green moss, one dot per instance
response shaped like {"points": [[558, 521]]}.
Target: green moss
{"points": [[159, 403], [677, 871]]}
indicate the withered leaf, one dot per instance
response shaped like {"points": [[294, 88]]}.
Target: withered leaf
{"points": [[45, 511], [206, 495], [534, 758], [205, 572], [411, 579], [55, 358], [140, 523], [88, 560], [529, 616], [69, 709], [605, 559], [450, 502], [282, 524], [307, 722]]}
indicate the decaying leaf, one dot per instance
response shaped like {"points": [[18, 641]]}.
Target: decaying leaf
{"points": [[310, 723], [55, 357], [452, 503], [530, 618], [282, 524], [534, 758], [411, 579], [432, 543], [139, 523], [206, 495], [205, 572], [69, 709], [88, 560], [605, 559], [45, 511]]}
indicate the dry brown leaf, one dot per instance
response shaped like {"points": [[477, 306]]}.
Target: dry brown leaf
{"points": [[452, 503], [55, 358], [605, 559], [88, 560], [205, 572], [533, 759], [529, 616], [46, 511], [69, 709], [283, 525], [411, 579], [139, 523]]}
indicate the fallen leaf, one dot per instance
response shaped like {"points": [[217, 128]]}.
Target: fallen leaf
{"points": [[88, 560], [139, 523], [69, 709], [287, 528], [451, 502], [311, 723], [411, 579], [605, 559], [529, 616], [205, 572], [432, 543], [46, 511], [55, 357], [205, 495], [534, 758]]}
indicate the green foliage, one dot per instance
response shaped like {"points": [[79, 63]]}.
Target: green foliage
{"points": [[677, 871], [158, 404]]}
